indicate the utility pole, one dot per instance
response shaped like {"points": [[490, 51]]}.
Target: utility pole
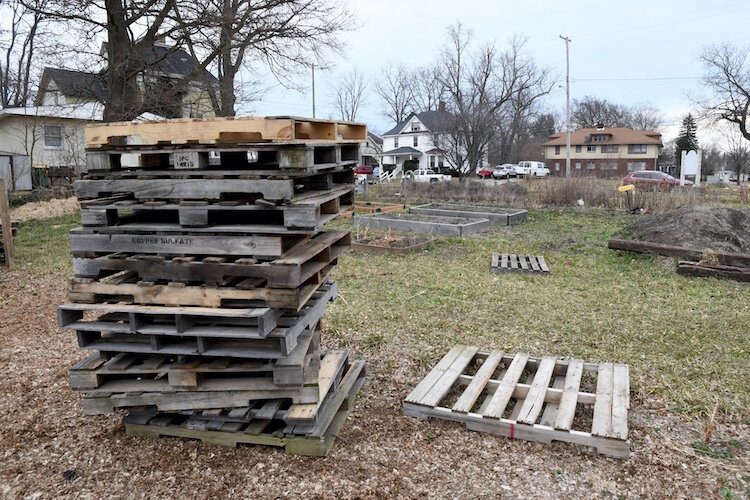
{"points": [[313, 88], [567, 105]]}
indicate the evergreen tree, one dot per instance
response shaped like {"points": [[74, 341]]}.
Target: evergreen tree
{"points": [[687, 140]]}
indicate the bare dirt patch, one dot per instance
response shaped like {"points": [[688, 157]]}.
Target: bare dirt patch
{"points": [[45, 209], [725, 229]]}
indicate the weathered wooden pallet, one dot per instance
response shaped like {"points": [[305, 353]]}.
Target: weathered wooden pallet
{"points": [[217, 393], [265, 428], [535, 399], [14, 229], [300, 368], [309, 212], [127, 287], [210, 340], [371, 207], [518, 263], [290, 271], [257, 159], [214, 187], [243, 130]]}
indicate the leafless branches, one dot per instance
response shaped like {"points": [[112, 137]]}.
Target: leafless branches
{"points": [[590, 112], [395, 86], [737, 154], [727, 76], [349, 94]]}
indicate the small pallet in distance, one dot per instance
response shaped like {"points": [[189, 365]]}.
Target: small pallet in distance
{"points": [[235, 130], [260, 431], [519, 263], [293, 269], [539, 412]]}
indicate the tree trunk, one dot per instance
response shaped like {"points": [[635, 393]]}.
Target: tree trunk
{"points": [[122, 102]]}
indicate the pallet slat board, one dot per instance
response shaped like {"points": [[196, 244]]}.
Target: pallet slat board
{"points": [[532, 398], [501, 263]]}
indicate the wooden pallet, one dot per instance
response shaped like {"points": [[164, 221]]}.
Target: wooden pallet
{"points": [[518, 263], [535, 399], [264, 428], [214, 187], [257, 159], [250, 129], [298, 369], [211, 394], [13, 231], [309, 212], [293, 269], [127, 287], [371, 207], [115, 333]]}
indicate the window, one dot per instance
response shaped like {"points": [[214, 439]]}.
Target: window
{"points": [[600, 138], [557, 166], [578, 149], [416, 141], [53, 136], [395, 142], [432, 161], [414, 126], [636, 148], [557, 150], [578, 165], [591, 165], [591, 149], [636, 165], [608, 165], [610, 148], [440, 162]]}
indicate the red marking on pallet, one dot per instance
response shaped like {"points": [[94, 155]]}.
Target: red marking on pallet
{"points": [[512, 430]]}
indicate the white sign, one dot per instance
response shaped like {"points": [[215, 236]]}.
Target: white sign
{"points": [[691, 165]]}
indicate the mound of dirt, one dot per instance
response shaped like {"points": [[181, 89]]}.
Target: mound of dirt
{"points": [[45, 209], [700, 228]]}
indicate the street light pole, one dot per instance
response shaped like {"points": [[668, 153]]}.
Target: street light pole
{"points": [[313, 89], [567, 105]]}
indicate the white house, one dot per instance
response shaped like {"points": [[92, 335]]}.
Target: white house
{"points": [[372, 150], [412, 139]]}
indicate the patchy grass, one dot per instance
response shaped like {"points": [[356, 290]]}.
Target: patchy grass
{"points": [[685, 339], [42, 244]]}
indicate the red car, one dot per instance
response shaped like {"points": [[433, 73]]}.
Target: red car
{"points": [[485, 173], [364, 170], [648, 178]]}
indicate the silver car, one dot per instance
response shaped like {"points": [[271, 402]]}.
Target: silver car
{"points": [[504, 171]]}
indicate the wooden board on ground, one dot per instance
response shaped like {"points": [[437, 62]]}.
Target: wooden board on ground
{"points": [[519, 263], [534, 399], [293, 269], [241, 130], [726, 258], [706, 270], [268, 431]]}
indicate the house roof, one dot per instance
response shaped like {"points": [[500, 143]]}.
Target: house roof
{"points": [[172, 61], [90, 111], [375, 138], [615, 136], [403, 150], [75, 83], [430, 119]]}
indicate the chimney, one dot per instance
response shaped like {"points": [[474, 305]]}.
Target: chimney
{"points": [[162, 40], [600, 126], [441, 106]]}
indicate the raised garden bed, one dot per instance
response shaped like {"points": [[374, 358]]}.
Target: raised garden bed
{"points": [[393, 244], [496, 215], [430, 224]]}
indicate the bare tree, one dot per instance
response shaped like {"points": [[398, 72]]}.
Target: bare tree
{"points": [[727, 76], [395, 86], [645, 116], [428, 90], [737, 154], [479, 85], [349, 94], [589, 112]]}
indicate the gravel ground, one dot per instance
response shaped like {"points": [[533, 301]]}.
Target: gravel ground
{"points": [[379, 453]]}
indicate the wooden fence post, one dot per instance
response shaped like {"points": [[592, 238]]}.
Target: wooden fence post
{"points": [[5, 223]]}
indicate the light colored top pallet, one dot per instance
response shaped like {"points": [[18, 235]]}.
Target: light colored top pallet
{"points": [[226, 130]]}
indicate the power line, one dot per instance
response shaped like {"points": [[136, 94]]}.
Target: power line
{"points": [[645, 79]]}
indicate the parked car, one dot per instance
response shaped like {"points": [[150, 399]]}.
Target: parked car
{"points": [[733, 178], [504, 171], [364, 170], [532, 169], [485, 172], [653, 178], [426, 175]]}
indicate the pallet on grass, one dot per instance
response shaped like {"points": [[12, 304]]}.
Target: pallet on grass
{"points": [[215, 187], [510, 395], [290, 271], [258, 159], [235, 130], [116, 335], [267, 429], [126, 286], [308, 212], [518, 263], [211, 394], [298, 369]]}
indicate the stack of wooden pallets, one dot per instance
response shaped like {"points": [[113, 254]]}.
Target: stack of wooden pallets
{"points": [[201, 276], [13, 230]]}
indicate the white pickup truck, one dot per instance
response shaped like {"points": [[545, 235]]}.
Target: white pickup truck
{"points": [[426, 175], [532, 169]]}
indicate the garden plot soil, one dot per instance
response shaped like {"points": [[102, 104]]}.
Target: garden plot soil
{"points": [[45, 209], [49, 449], [700, 228]]}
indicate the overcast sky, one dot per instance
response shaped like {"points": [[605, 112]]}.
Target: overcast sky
{"points": [[626, 52]]}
